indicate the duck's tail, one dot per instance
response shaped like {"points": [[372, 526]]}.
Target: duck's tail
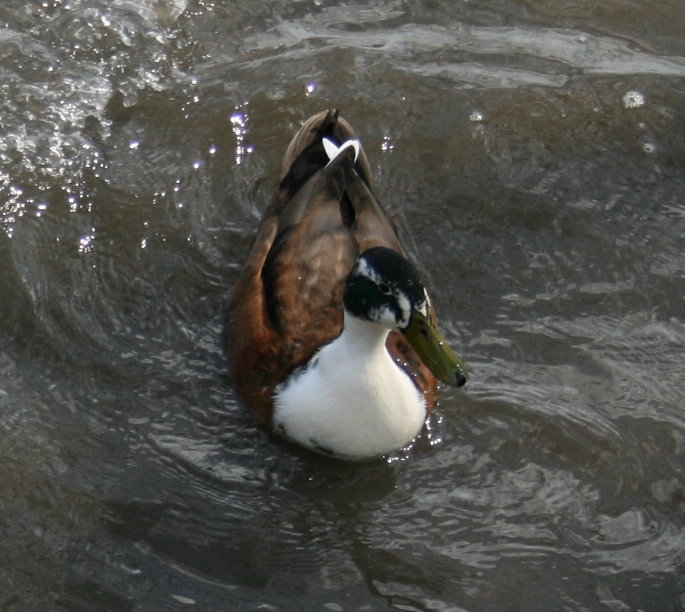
{"points": [[308, 151]]}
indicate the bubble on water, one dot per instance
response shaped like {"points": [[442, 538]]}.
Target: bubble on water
{"points": [[239, 122], [387, 144], [633, 99], [86, 241], [41, 207], [649, 147], [476, 116], [277, 93], [73, 203]]}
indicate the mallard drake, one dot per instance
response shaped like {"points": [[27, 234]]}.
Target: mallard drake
{"points": [[331, 333]]}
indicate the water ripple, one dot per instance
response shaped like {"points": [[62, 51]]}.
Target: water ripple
{"points": [[565, 50]]}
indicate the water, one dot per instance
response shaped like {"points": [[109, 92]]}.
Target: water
{"points": [[532, 155]]}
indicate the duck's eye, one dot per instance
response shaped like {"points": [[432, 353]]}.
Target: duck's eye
{"points": [[384, 289]]}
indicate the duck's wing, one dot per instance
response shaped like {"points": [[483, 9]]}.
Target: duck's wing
{"points": [[321, 231]]}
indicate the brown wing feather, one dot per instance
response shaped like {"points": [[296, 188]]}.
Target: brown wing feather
{"points": [[287, 302]]}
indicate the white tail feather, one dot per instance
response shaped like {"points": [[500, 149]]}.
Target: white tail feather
{"points": [[333, 150]]}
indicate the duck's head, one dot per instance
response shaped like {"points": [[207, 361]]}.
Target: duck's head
{"points": [[385, 288]]}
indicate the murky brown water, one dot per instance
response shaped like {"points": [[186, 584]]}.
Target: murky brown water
{"points": [[533, 155]]}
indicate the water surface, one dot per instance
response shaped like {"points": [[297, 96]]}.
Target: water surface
{"points": [[532, 155]]}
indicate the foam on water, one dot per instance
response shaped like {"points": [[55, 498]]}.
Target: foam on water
{"points": [[57, 80]]}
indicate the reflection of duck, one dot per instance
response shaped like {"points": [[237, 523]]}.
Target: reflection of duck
{"points": [[331, 332]]}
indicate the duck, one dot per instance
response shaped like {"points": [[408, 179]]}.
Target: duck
{"points": [[331, 335]]}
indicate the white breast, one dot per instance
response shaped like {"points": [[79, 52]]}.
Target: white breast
{"points": [[353, 400]]}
